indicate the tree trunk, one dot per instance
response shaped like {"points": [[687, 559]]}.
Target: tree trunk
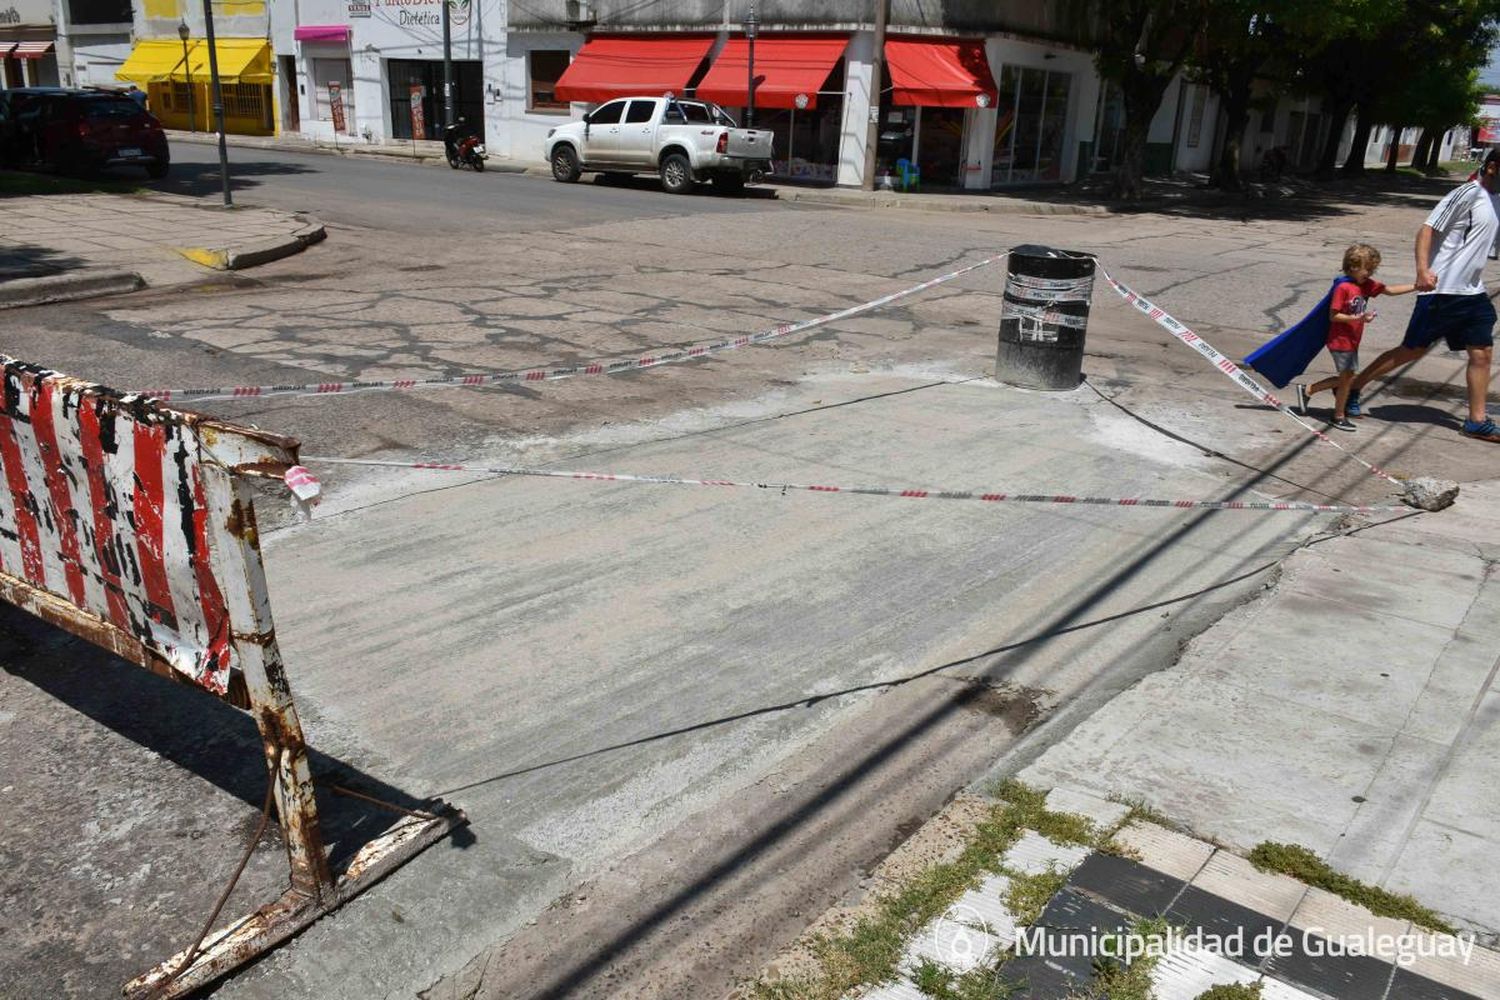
{"points": [[1354, 164], [1236, 99], [1434, 152], [1393, 154], [1338, 116], [1424, 147], [1142, 96]]}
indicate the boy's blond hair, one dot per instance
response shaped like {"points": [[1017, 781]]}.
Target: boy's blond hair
{"points": [[1361, 255]]}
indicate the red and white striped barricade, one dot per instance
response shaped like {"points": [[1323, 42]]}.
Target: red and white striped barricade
{"points": [[132, 525]]}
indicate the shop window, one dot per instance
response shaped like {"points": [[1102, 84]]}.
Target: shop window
{"points": [[547, 66], [99, 12], [1033, 119], [426, 75], [326, 71], [245, 100]]}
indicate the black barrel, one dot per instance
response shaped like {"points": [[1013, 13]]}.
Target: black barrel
{"points": [[1044, 318]]}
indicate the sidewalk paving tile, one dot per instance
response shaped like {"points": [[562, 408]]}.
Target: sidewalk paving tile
{"points": [[1099, 811], [1167, 851], [1034, 854], [1183, 973], [1232, 878], [1346, 977], [1332, 915], [1223, 921], [1127, 884], [950, 943], [984, 909], [1478, 977]]}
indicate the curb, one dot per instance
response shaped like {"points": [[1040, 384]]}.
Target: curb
{"points": [[421, 157], [997, 207], [264, 251], [67, 287]]}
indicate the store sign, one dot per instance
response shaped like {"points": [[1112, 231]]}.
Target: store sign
{"points": [[426, 13], [358, 8], [418, 118], [336, 105]]}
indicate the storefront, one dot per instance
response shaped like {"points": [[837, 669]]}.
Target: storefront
{"points": [[799, 97], [416, 96], [28, 56], [176, 76], [932, 87]]}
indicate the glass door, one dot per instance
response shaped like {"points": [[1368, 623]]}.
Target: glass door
{"points": [[1032, 118]]}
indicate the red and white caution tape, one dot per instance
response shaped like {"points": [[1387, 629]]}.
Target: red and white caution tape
{"points": [[878, 491], [548, 373], [1233, 371]]}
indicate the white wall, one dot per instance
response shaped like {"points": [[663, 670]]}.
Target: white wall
{"points": [[519, 133]]}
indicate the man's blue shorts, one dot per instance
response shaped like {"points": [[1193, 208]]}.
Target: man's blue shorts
{"points": [[1462, 320]]}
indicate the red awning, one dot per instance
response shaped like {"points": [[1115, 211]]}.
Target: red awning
{"points": [[32, 50], [785, 66], [940, 72], [321, 33], [627, 66]]}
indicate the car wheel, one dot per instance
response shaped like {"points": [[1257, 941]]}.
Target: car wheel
{"points": [[565, 165], [676, 174]]}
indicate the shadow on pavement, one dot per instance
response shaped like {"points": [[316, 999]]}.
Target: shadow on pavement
{"points": [[200, 179], [27, 260], [645, 182], [194, 730]]}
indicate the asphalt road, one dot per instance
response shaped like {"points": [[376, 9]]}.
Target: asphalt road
{"points": [[432, 198]]}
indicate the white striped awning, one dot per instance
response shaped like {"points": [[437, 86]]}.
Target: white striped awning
{"points": [[32, 50]]}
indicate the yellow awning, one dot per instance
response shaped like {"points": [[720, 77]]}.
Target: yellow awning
{"points": [[152, 61], [241, 60]]}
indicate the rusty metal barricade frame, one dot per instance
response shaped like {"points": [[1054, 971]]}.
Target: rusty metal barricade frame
{"points": [[50, 456]]}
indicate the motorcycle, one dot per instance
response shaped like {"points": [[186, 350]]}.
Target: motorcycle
{"points": [[463, 146]]}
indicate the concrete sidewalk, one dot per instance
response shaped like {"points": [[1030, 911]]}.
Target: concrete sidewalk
{"points": [[66, 246], [1352, 709]]}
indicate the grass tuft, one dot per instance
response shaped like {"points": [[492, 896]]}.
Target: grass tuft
{"points": [[1028, 894], [1303, 865], [871, 951], [1231, 991]]}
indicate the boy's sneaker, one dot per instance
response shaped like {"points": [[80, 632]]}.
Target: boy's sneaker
{"points": [[1352, 408], [1301, 398], [1484, 430], [1343, 424]]}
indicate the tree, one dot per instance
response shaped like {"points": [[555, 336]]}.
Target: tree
{"points": [[1142, 46], [1232, 53]]}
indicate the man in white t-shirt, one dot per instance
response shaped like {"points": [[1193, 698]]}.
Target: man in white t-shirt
{"points": [[1452, 303]]}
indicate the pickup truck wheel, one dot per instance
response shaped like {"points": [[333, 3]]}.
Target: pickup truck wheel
{"points": [[676, 174], [565, 165]]}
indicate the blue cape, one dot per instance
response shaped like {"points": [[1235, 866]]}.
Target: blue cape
{"points": [[1288, 355]]}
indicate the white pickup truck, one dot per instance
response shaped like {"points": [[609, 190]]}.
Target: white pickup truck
{"points": [[683, 141]]}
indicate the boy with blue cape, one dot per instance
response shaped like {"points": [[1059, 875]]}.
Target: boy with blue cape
{"points": [[1337, 322]]}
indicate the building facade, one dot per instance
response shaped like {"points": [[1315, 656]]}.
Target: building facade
{"points": [[28, 44]]}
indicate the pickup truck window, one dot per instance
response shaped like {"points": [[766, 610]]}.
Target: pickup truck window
{"points": [[640, 111], [607, 115], [693, 114]]}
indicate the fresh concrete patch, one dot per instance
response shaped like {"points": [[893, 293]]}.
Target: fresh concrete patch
{"points": [[84, 284]]}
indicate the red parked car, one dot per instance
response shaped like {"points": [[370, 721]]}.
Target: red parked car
{"points": [[81, 131]]}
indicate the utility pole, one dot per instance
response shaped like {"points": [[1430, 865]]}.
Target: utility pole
{"points": [[218, 96], [447, 67], [877, 77]]}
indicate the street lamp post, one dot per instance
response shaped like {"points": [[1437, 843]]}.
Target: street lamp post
{"points": [[752, 25], [447, 68], [218, 96], [183, 31]]}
